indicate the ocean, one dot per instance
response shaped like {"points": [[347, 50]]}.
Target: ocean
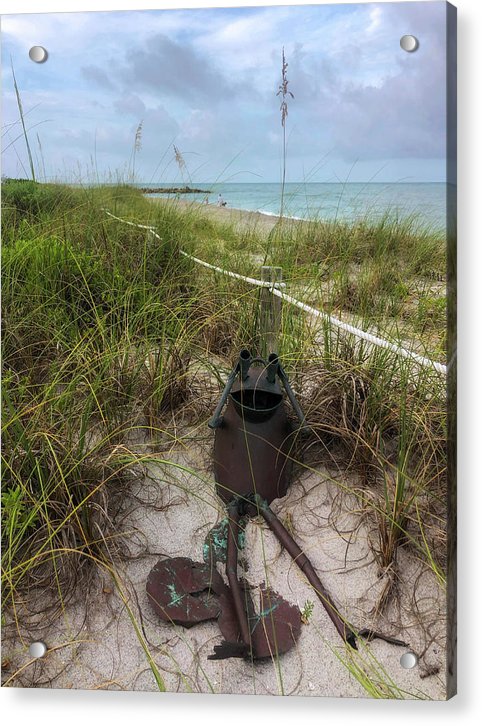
{"points": [[424, 202]]}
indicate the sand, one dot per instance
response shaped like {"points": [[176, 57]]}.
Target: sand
{"points": [[241, 219], [93, 644]]}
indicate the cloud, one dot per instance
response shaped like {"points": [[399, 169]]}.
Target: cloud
{"points": [[374, 101], [130, 104], [47, 29], [397, 119], [171, 68], [206, 80], [98, 75]]}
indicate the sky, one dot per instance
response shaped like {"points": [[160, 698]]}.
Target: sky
{"points": [[206, 82]]}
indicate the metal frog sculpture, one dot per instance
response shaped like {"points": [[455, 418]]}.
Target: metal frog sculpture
{"points": [[252, 465]]}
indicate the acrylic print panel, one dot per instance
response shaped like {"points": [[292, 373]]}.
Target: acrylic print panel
{"points": [[228, 304]]}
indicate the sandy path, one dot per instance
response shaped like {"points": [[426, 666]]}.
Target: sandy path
{"points": [[94, 645]]}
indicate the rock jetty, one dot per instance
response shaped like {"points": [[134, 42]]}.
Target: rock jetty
{"points": [[173, 190]]}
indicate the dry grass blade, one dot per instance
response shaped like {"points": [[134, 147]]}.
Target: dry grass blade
{"points": [[25, 135]]}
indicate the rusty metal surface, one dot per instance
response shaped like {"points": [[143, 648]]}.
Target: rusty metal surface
{"points": [[184, 592], [274, 629], [252, 466], [232, 575], [257, 396], [287, 541], [277, 627], [252, 457]]}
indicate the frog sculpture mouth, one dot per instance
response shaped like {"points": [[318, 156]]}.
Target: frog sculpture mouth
{"points": [[253, 446]]}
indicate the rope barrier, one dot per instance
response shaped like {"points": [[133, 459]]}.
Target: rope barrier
{"points": [[133, 224], [273, 286], [381, 342], [250, 280]]}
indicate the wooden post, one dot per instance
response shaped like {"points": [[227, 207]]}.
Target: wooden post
{"points": [[270, 312]]}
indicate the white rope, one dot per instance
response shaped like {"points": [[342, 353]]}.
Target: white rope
{"points": [[273, 286], [133, 224], [381, 342], [251, 280]]}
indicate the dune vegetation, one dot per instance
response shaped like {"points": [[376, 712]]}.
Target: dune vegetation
{"points": [[106, 327]]}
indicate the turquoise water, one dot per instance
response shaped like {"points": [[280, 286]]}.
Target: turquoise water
{"points": [[345, 202]]}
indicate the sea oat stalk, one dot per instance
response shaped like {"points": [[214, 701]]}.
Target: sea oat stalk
{"points": [[284, 93]]}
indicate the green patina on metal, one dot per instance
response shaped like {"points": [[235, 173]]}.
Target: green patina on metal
{"points": [[268, 611], [216, 543], [263, 614], [175, 597]]}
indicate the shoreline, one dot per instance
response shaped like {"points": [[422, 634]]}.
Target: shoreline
{"points": [[243, 220], [368, 209]]}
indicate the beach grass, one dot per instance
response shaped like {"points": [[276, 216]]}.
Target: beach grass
{"points": [[102, 322]]}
